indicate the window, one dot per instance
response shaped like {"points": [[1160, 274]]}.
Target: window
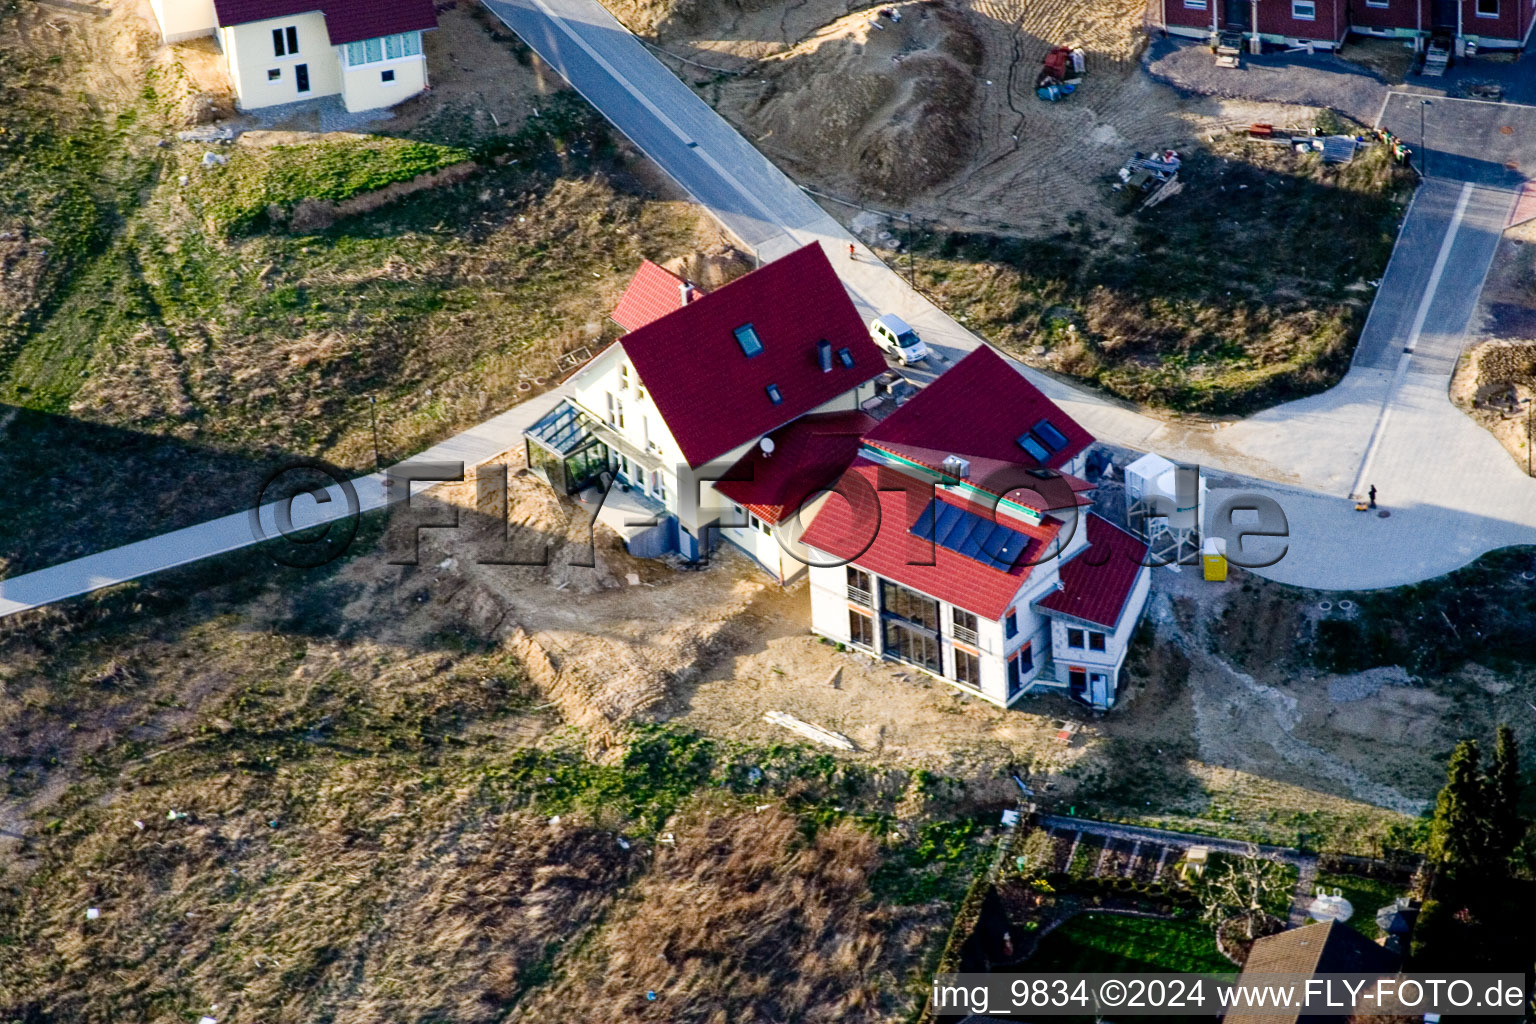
{"points": [[609, 396], [908, 604], [1054, 439], [1011, 624], [965, 626], [387, 77], [1075, 638], [273, 74], [765, 527], [1487, 8], [658, 485], [623, 376], [1095, 641], [746, 337], [372, 51], [618, 411], [1195, 5], [845, 356], [1303, 10], [285, 41], [861, 628], [967, 668], [859, 589], [1378, 3], [1020, 665], [301, 78], [753, 522], [774, 395], [1034, 447], [910, 644]]}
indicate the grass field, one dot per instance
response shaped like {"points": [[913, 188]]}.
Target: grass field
{"points": [[1210, 302], [1366, 895], [158, 337], [1118, 944]]}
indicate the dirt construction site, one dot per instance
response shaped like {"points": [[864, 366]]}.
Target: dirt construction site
{"points": [[935, 114]]}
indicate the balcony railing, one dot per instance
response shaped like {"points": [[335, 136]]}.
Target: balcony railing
{"points": [[858, 595], [966, 636]]}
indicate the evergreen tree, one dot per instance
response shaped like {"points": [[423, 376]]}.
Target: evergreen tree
{"points": [[1458, 838], [1505, 826]]}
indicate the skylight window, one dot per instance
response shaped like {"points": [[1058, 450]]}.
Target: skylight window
{"points": [[1046, 431], [774, 395], [845, 356], [746, 337], [1034, 447]]}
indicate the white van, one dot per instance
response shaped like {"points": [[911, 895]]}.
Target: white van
{"points": [[893, 334]]}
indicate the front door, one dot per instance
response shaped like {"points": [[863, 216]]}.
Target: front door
{"points": [[301, 76], [1078, 680], [1237, 15], [1444, 16]]}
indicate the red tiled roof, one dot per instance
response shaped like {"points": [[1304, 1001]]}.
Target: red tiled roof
{"points": [[347, 21], [841, 528], [711, 395], [1097, 582], [651, 295], [808, 454], [978, 408]]}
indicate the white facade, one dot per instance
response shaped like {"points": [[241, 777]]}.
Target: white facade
{"points": [[1051, 650], [645, 456], [290, 58]]}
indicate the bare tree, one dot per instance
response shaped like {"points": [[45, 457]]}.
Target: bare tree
{"points": [[1241, 887]]}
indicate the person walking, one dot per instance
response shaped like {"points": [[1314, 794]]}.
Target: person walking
{"points": [[850, 252], [1372, 493]]}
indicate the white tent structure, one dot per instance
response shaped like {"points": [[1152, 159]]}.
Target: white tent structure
{"points": [[1164, 505]]}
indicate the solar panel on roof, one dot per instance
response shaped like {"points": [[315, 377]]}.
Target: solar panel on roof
{"points": [[971, 535], [1047, 432], [1034, 447]]}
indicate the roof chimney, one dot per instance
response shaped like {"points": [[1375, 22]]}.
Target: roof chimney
{"points": [[683, 288], [824, 355], [957, 467]]}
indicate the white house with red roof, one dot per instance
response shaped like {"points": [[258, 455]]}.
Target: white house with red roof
{"points": [[959, 541], [368, 52], [718, 413]]}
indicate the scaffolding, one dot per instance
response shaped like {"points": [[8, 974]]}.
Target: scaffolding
{"points": [[1164, 503]]}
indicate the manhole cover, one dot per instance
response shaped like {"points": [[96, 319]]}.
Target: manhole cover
{"points": [[1383, 514], [1508, 129]]}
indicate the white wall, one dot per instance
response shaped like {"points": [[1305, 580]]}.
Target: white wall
{"points": [[363, 86], [251, 56], [184, 19], [1117, 641]]}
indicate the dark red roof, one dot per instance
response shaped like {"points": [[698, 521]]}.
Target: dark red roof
{"points": [[978, 409], [652, 294], [808, 454], [842, 526], [347, 21], [1097, 582], [712, 396]]}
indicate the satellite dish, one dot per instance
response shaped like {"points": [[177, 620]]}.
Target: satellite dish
{"points": [[766, 444]]}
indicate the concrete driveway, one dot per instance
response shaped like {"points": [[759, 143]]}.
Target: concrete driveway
{"points": [[1491, 144]]}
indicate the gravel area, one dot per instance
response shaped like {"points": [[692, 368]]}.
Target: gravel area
{"points": [[1360, 685], [1320, 80]]}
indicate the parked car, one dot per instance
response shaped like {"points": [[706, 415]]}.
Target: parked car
{"points": [[893, 334]]}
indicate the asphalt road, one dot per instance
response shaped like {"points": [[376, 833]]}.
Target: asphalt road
{"points": [[1492, 144], [1432, 284]]}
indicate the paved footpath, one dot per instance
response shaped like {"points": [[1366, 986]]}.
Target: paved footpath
{"points": [[1452, 490]]}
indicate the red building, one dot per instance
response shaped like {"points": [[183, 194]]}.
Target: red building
{"points": [[1479, 24]]}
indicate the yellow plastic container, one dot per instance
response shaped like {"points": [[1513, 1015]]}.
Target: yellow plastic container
{"points": [[1213, 557]]}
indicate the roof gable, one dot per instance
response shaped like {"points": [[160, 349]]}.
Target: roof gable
{"points": [[653, 292], [892, 502], [980, 408], [808, 454], [346, 21], [715, 397], [1096, 584]]}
